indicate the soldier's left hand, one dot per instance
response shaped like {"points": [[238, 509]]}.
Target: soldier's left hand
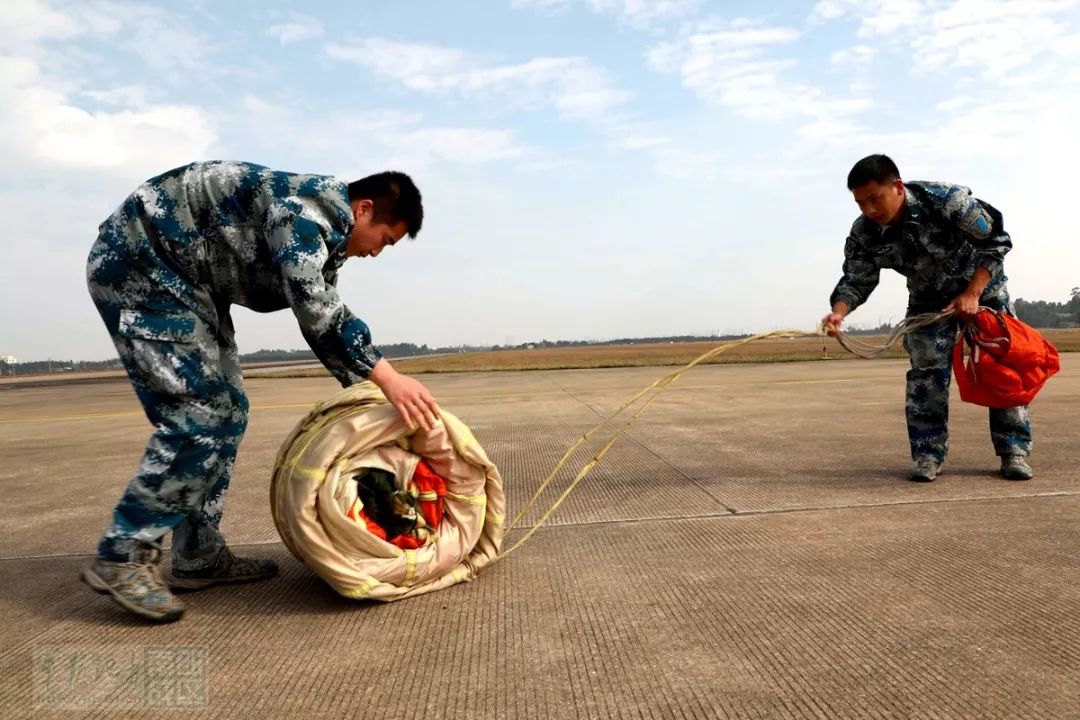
{"points": [[966, 304]]}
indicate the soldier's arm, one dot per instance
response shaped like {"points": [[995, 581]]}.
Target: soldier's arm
{"points": [[861, 276], [341, 340], [981, 224]]}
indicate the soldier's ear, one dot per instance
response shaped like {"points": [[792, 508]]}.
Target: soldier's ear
{"points": [[362, 208]]}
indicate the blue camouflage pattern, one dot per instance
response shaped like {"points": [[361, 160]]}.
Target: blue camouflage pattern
{"points": [[163, 273], [944, 235], [927, 399]]}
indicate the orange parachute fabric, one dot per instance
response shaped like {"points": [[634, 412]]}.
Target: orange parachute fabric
{"points": [[1000, 362], [429, 488]]}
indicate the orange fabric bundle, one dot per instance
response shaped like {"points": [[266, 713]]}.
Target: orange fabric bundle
{"points": [[429, 489], [432, 490], [356, 512], [1007, 361]]}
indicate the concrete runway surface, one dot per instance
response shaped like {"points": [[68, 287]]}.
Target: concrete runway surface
{"points": [[750, 550]]}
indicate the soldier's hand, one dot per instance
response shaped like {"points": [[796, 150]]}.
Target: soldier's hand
{"points": [[966, 304], [831, 323], [409, 396]]}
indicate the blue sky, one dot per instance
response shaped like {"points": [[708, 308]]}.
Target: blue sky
{"points": [[590, 168]]}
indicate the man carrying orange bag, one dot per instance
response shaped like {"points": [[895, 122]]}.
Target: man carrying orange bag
{"points": [[951, 248]]}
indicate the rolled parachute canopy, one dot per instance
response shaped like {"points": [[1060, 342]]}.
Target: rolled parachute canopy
{"points": [[314, 498]]}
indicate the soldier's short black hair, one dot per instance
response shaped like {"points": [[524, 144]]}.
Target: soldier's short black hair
{"points": [[395, 196], [873, 168]]}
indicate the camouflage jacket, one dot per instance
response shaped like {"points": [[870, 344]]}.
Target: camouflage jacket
{"points": [[266, 240], [944, 235]]}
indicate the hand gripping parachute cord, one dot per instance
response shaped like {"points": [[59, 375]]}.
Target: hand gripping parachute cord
{"points": [[863, 349]]}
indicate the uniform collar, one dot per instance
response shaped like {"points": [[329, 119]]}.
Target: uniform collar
{"points": [[340, 201], [913, 211]]}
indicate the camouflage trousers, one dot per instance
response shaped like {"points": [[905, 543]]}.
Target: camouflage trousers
{"points": [[178, 349], [930, 350]]}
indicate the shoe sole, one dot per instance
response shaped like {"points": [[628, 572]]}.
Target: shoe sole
{"points": [[200, 584], [923, 478], [98, 584], [1016, 478]]}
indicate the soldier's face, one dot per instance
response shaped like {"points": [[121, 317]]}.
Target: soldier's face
{"points": [[881, 203], [368, 237]]}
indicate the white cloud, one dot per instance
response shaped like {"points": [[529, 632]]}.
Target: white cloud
{"points": [[858, 56], [727, 63], [682, 164], [158, 38], [572, 85], [575, 88], [123, 95], [878, 17], [469, 146], [388, 137], [632, 135], [24, 22], [296, 29], [996, 37], [954, 103], [641, 14], [1006, 64], [43, 125]]}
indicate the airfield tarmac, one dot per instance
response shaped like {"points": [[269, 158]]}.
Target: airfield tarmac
{"points": [[750, 550]]}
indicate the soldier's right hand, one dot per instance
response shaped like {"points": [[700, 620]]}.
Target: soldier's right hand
{"points": [[409, 396], [831, 323]]}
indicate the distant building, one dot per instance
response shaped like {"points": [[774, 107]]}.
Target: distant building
{"points": [[8, 360], [1065, 320]]}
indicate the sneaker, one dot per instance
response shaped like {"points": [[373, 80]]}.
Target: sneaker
{"points": [[924, 470], [1016, 467], [227, 569], [136, 585]]}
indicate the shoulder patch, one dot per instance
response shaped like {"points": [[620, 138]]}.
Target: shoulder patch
{"points": [[849, 248], [979, 224]]}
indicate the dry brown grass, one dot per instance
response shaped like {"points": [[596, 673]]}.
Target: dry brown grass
{"points": [[606, 356], [599, 356]]}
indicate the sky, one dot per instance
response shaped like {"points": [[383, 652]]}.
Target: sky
{"points": [[591, 169]]}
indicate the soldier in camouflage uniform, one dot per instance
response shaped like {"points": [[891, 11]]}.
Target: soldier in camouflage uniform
{"points": [[950, 246], [163, 273]]}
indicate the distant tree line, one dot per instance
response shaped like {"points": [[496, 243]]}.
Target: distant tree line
{"points": [[392, 350], [1037, 313], [1043, 314]]}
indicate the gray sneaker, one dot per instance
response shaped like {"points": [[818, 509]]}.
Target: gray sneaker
{"points": [[924, 470], [136, 585], [1016, 467], [227, 569]]}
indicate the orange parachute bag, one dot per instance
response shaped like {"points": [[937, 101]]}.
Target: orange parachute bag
{"points": [[1001, 362]]}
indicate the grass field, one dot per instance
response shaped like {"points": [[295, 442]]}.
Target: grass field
{"points": [[643, 355]]}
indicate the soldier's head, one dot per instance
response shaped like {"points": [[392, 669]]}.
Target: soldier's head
{"points": [[386, 207], [879, 192]]}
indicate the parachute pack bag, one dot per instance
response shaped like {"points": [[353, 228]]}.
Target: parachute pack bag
{"points": [[355, 445], [1000, 362]]}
